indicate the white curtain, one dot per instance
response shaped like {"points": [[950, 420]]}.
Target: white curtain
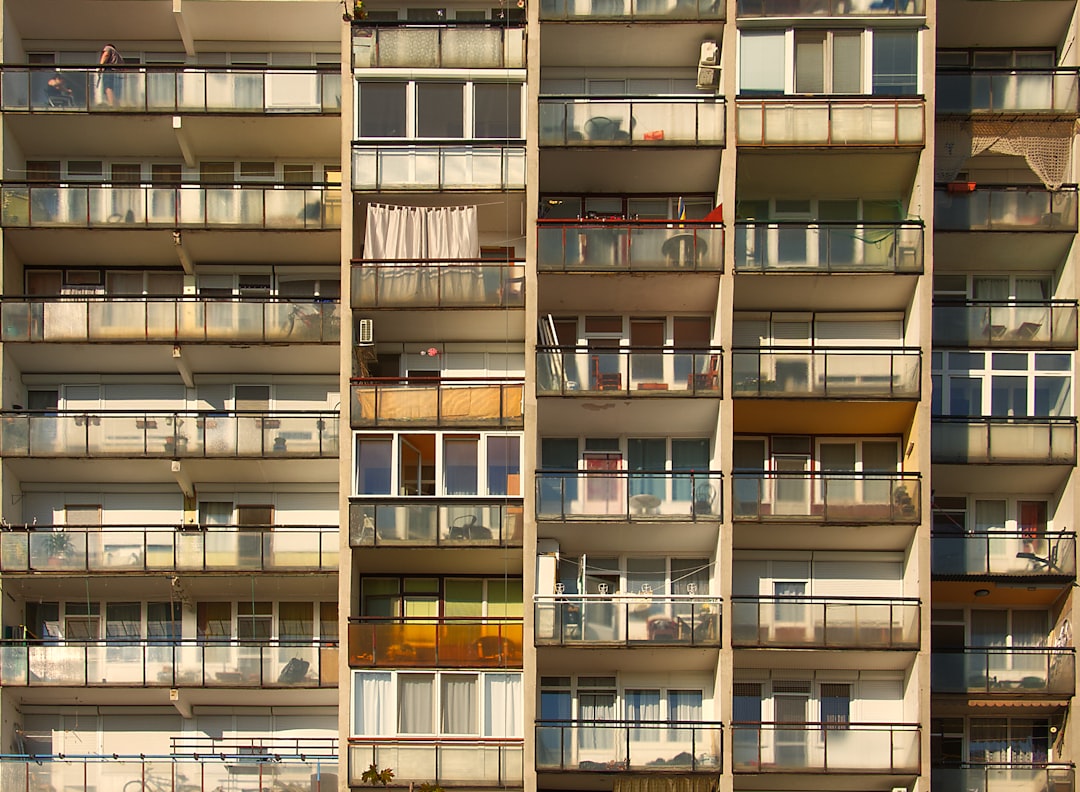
{"points": [[416, 704], [412, 233], [503, 702], [459, 704], [643, 705], [373, 704]]}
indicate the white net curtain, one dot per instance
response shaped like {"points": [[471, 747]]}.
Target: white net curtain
{"points": [[1046, 146]]}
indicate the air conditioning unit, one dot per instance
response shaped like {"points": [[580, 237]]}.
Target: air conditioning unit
{"points": [[708, 75], [365, 332]]}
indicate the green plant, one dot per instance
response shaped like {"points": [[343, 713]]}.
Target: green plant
{"points": [[426, 787], [376, 777]]}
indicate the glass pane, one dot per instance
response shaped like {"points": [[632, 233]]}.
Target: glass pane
{"points": [[497, 110], [440, 110], [382, 109], [416, 714], [761, 62], [846, 62], [810, 61]]}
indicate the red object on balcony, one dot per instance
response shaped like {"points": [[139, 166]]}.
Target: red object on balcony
{"points": [[960, 187]]}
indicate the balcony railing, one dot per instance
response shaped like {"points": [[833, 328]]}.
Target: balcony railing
{"points": [[1003, 778], [640, 10], [628, 495], [169, 434], [825, 121], [434, 401], [1004, 671], [1013, 553], [825, 623], [826, 247], [270, 207], [858, 498], [1004, 208], [470, 523], [833, 747], [446, 762], [614, 746], [1046, 324], [628, 371], [451, 45], [435, 643], [829, 8], [626, 121], [168, 320], [1010, 91], [839, 373], [206, 773], [646, 619], [168, 548], [438, 284], [170, 663], [981, 440], [171, 89], [461, 165], [629, 246]]}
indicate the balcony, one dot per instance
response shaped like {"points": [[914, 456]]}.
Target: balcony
{"points": [[435, 643], [168, 548], [444, 762], [628, 372], [624, 121], [456, 45], [427, 402], [970, 207], [172, 90], [1003, 778], [588, 620], [856, 498], [269, 207], [840, 373], [829, 8], [431, 524], [478, 165], [829, 248], [448, 284], [1038, 92], [628, 495], [1014, 671], [253, 764], [610, 746], [866, 623], [167, 320], [862, 748], [849, 122], [169, 434], [984, 324], [629, 246], [635, 10], [1009, 553], [982, 440], [214, 663]]}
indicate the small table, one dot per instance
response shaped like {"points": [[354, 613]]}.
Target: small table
{"points": [[644, 503], [684, 250]]}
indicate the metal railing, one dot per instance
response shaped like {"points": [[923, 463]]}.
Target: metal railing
{"points": [[631, 121], [1039, 554], [628, 371], [640, 10], [435, 401], [617, 746], [116, 319], [459, 165], [171, 89], [1003, 778], [990, 207], [840, 497], [450, 45], [1005, 324], [169, 434], [829, 8], [825, 622], [457, 761], [168, 548], [643, 619], [629, 246], [833, 747], [438, 284], [278, 207], [830, 121], [170, 663], [460, 523], [1004, 671], [1010, 91], [837, 373], [450, 642], [975, 440], [827, 247], [629, 495]]}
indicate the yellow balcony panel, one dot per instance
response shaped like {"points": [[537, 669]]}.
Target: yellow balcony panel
{"points": [[448, 762], [847, 748], [416, 522], [456, 45], [436, 402], [829, 122], [435, 643], [451, 284], [859, 623], [844, 498], [1013, 672]]}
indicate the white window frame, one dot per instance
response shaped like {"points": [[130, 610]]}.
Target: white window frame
{"points": [[943, 377]]}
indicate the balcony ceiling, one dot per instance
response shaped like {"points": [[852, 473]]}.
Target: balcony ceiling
{"points": [[617, 44], [814, 416], [800, 536], [579, 660], [158, 470], [587, 415], [1000, 478], [1021, 251], [132, 586], [440, 560], [963, 23], [628, 292], [674, 169], [195, 697], [849, 659], [779, 292], [836, 173], [431, 326], [1003, 594], [577, 537]]}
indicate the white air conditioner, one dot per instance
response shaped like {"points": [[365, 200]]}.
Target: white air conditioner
{"points": [[365, 332], [708, 71]]}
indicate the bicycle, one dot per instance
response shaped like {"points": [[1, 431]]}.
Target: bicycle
{"points": [[156, 783]]}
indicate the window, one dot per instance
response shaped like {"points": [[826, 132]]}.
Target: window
{"points": [[828, 61], [835, 705], [895, 67], [1002, 384], [254, 621], [382, 109], [439, 110], [497, 110]]}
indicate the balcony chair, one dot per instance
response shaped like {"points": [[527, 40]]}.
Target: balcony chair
{"points": [[468, 527], [604, 128]]}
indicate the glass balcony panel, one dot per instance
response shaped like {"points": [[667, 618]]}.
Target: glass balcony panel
{"points": [[231, 665], [858, 498], [1006, 325], [15, 90], [1005, 208], [16, 319], [654, 620], [234, 91], [821, 623], [232, 320], [15, 206], [408, 47], [864, 748], [839, 373], [128, 91], [14, 665], [56, 665], [288, 209], [647, 746], [1007, 440], [629, 495], [113, 206], [431, 524], [445, 643], [832, 8], [1004, 553], [290, 666], [472, 48], [1000, 778], [58, 550], [14, 553], [1001, 671], [115, 664], [109, 550], [112, 320], [66, 322]]}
